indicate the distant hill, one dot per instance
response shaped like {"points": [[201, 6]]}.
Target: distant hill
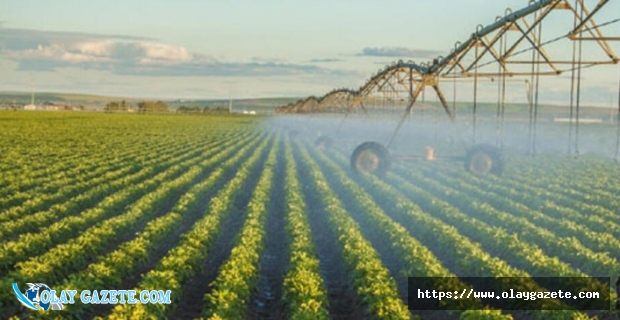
{"points": [[261, 105], [96, 102], [90, 102], [266, 105]]}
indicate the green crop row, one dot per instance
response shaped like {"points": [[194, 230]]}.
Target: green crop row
{"points": [[183, 261], [46, 191], [32, 243], [75, 180], [563, 227], [81, 202], [46, 177], [304, 291], [237, 276], [41, 201], [586, 177], [569, 249], [495, 239], [550, 195], [111, 269], [551, 209], [28, 188], [71, 255], [415, 258], [568, 182], [36, 153], [469, 258], [370, 277]]}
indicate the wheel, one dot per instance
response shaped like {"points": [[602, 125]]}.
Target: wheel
{"points": [[324, 143], [484, 159], [371, 158]]}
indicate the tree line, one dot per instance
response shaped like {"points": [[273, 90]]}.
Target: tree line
{"points": [[159, 107], [140, 107], [198, 109]]}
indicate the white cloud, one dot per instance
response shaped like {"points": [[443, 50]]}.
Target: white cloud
{"points": [[107, 50], [159, 52], [100, 48], [41, 50], [54, 52]]}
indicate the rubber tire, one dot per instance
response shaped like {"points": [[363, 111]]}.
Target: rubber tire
{"points": [[379, 150], [324, 143], [492, 152]]}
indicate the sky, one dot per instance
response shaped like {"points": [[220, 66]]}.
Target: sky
{"points": [[242, 48]]}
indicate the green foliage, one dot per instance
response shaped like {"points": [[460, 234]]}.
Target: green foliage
{"points": [[114, 106], [152, 107], [184, 260], [88, 200], [370, 277], [236, 278], [304, 290], [417, 260], [111, 268]]}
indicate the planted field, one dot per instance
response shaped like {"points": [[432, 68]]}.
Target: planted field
{"points": [[240, 219]]}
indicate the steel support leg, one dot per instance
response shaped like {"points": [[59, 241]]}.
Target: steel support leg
{"points": [[444, 102], [418, 90]]}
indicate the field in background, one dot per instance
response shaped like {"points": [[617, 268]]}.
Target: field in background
{"points": [[98, 103], [267, 105], [240, 217]]}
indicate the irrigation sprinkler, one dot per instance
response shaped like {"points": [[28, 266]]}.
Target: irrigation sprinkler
{"points": [[498, 52]]}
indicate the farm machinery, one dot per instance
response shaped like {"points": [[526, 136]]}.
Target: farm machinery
{"points": [[514, 48]]}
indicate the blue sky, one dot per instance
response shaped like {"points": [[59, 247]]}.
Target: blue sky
{"points": [[216, 49]]}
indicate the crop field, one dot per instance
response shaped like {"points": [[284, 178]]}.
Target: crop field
{"points": [[239, 218]]}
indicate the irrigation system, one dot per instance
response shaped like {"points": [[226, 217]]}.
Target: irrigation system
{"points": [[516, 47]]}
